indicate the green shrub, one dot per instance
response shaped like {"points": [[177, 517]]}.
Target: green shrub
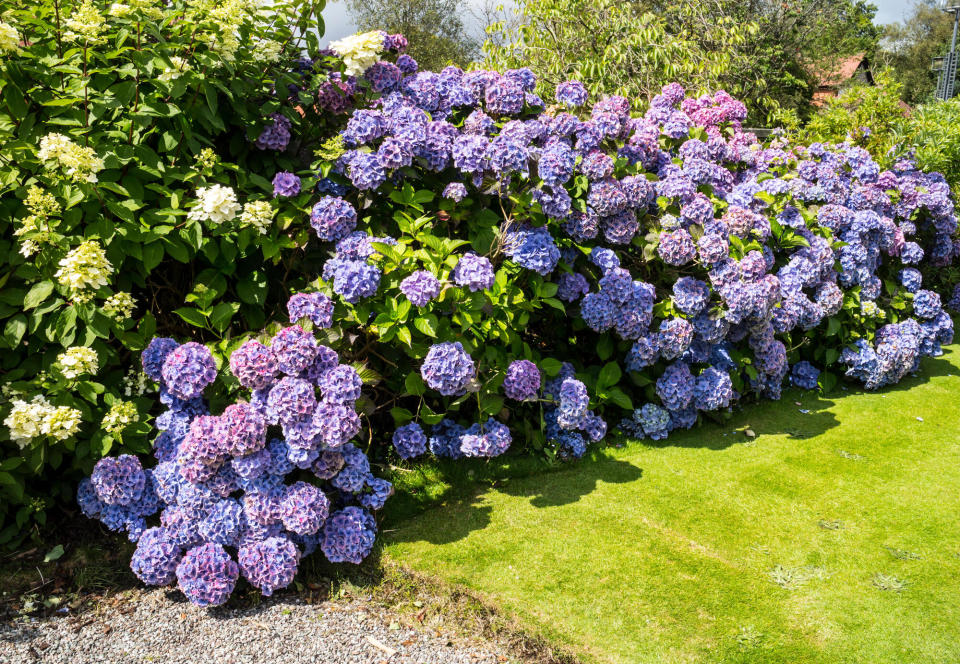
{"points": [[113, 116]]}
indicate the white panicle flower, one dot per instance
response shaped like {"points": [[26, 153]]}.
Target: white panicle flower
{"points": [[360, 51], [177, 67], [119, 306], [135, 383], [216, 203], [28, 248], [86, 266], [60, 423], [207, 159], [266, 50], [121, 415], [119, 10], [9, 38], [259, 215], [77, 361], [85, 25], [79, 163], [26, 419]]}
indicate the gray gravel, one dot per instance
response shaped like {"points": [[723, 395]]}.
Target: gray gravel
{"points": [[153, 626]]}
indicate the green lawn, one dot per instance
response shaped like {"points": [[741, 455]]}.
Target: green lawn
{"points": [[833, 536]]}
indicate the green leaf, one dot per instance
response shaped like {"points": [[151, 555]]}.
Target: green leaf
{"points": [[54, 554], [550, 366], [491, 404], [15, 329], [401, 416], [253, 289], [609, 375], [40, 292], [618, 397], [192, 316], [833, 326], [152, 255], [403, 334], [427, 325], [16, 100], [223, 313], [414, 384]]}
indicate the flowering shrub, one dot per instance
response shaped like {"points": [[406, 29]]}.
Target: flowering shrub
{"points": [[222, 485], [137, 138], [578, 265]]}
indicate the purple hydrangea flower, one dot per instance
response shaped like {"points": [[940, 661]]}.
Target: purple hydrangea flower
{"points": [[291, 399], [348, 536], [207, 574], [676, 247], [119, 480], [286, 184], [674, 338], [488, 440], [455, 191], [341, 384], [690, 295], [713, 389], [315, 306], [303, 508], [804, 375], [155, 354], [410, 441], [333, 218], [532, 248], [276, 135], [294, 349], [675, 386], [522, 381], [474, 272], [188, 369], [269, 564], [571, 286], [448, 369], [355, 280], [254, 365], [420, 287], [156, 558], [571, 94]]}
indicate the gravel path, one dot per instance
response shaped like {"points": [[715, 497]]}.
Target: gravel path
{"points": [[150, 626]]}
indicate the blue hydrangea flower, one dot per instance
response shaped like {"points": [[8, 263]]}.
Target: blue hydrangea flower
{"points": [[348, 535], [355, 280], [488, 440], [155, 354], [410, 441], [804, 375], [187, 370], [156, 558], [572, 94], [333, 218]]}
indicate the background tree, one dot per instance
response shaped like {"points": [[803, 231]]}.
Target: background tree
{"points": [[434, 28], [909, 47], [763, 51]]}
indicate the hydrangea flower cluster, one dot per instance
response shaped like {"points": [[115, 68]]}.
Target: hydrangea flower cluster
{"points": [[253, 490]]}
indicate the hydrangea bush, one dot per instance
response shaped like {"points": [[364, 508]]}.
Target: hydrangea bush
{"points": [[498, 272], [147, 159]]}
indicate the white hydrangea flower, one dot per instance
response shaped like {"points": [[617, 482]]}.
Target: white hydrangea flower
{"points": [[9, 38], [119, 10], [119, 306], [77, 361], [360, 51], [79, 163], [28, 248], [25, 420], [85, 25], [86, 266], [215, 203], [259, 215], [121, 415], [60, 423], [177, 67]]}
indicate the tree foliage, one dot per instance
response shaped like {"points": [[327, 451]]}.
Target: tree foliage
{"points": [[910, 46], [762, 51], [434, 28]]}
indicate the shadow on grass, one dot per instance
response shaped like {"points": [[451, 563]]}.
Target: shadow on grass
{"points": [[557, 485]]}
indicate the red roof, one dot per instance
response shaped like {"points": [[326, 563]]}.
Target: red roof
{"points": [[839, 72]]}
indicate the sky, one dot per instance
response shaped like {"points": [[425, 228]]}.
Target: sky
{"points": [[339, 23]]}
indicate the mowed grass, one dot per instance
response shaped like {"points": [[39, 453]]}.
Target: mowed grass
{"points": [[833, 536]]}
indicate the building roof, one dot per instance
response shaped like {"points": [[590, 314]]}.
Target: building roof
{"points": [[837, 73]]}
